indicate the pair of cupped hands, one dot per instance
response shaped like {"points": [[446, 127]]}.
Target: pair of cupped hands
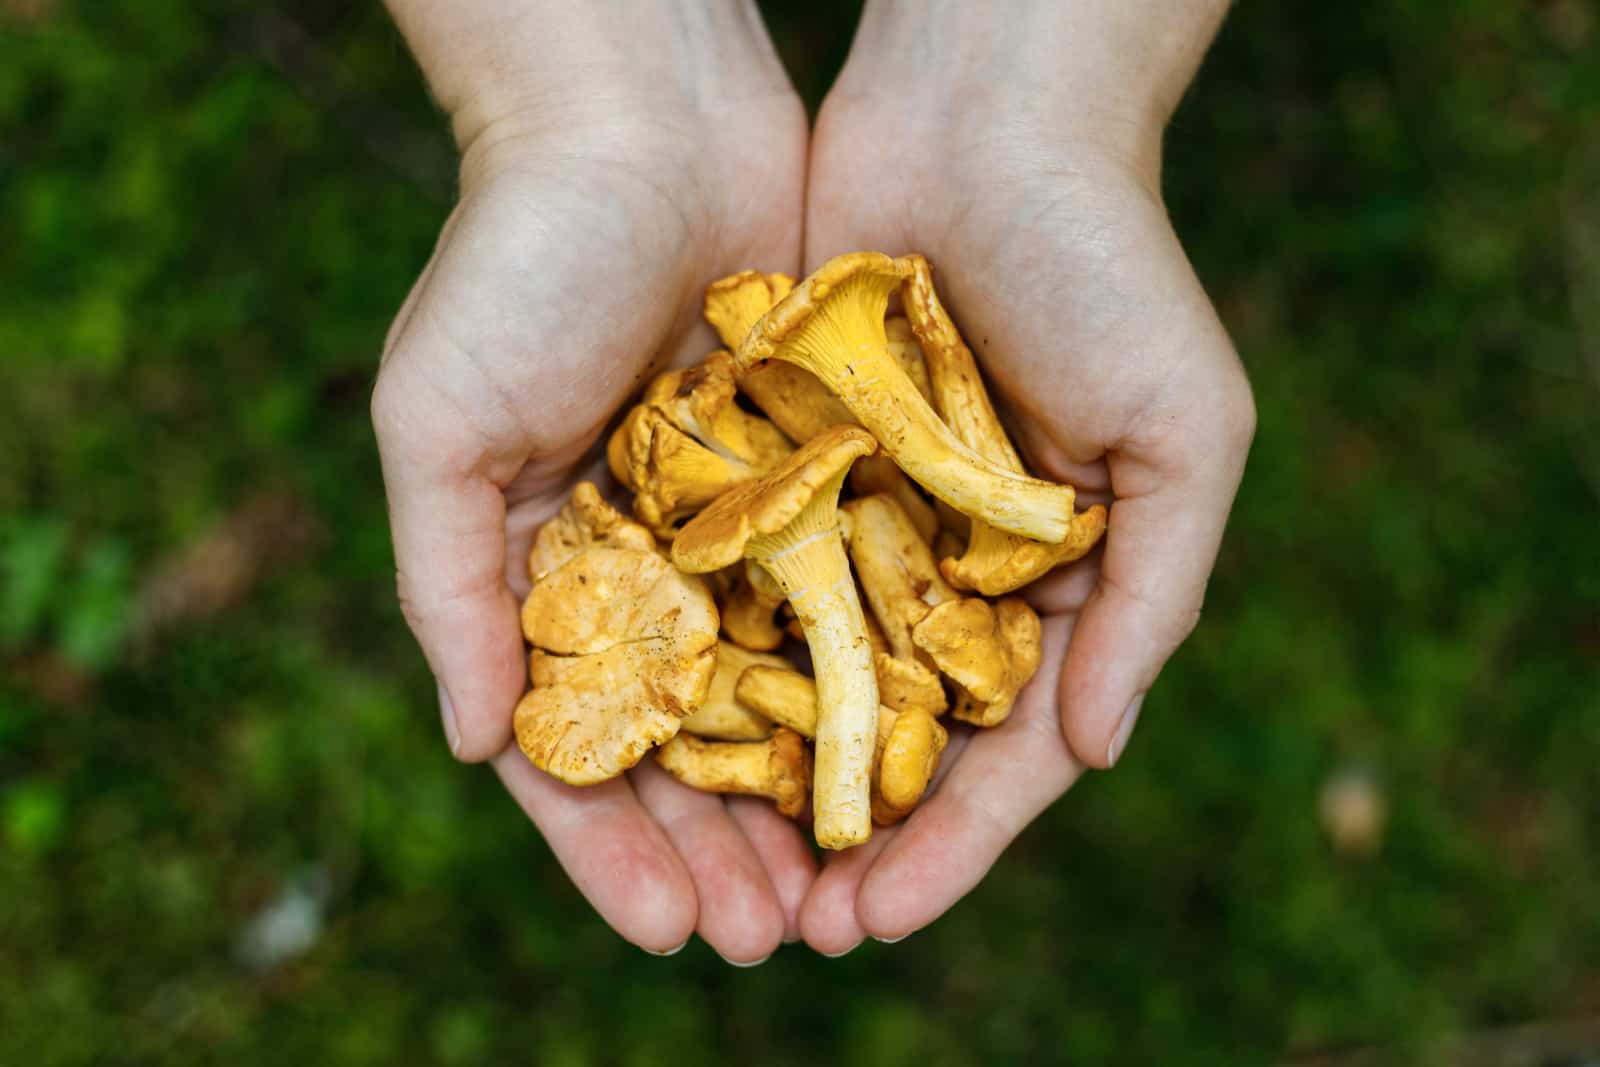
{"points": [[593, 213]]}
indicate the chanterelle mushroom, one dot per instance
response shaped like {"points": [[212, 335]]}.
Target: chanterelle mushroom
{"points": [[700, 401], [624, 646], [792, 398], [901, 582], [907, 351], [671, 474], [687, 440], [721, 717], [832, 325], [878, 474], [749, 610], [906, 750], [989, 652], [585, 519], [909, 752], [787, 522], [995, 560], [779, 767]]}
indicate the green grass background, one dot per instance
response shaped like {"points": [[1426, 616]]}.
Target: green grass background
{"points": [[208, 212]]}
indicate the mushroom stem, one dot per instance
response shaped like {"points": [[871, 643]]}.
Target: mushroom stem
{"points": [[721, 717], [845, 345], [788, 523], [807, 560], [995, 560], [905, 753], [777, 768]]}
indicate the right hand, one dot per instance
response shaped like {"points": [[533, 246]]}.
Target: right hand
{"points": [[570, 271]]}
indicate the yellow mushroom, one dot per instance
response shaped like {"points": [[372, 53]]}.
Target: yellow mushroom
{"points": [[748, 612], [989, 652], [778, 768], [624, 647], [700, 401], [735, 303], [720, 716], [900, 581], [832, 325], [946, 544], [878, 474], [909, 752], [906, 748], [995, 561], [687, 440], [585, 519], [791, 397], [787, 521], [671, 474], [907, 351]]}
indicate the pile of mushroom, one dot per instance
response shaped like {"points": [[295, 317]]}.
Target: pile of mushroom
{"points": [[690, 630]]}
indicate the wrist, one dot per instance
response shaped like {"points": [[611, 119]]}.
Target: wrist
{"points": [[1102, 73], [504, 69]]}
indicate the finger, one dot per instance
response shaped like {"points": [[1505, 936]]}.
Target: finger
{"points": [[740, 917], [998, 784], [781, 845], [828, 919], [1173, 495], [447, 518], [613, 851], [525, 517]]}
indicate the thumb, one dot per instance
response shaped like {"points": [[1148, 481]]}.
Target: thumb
{"points": [[447, 518], [1173, 494]]}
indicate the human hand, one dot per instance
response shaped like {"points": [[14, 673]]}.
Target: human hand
{"points": [[600, 191], [1035, 195]]}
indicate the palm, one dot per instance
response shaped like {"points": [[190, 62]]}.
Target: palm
{"points": [[1059, 265], [555, 291]]}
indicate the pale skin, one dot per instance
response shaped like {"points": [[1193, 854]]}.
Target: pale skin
{"points": [[616, 162]]}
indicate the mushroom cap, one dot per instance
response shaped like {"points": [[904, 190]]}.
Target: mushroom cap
{"points": [[989, 651], [910, 759], [809, 299], [995, 563], [736, 303], [672, 475], [906, 685], [717, 536], [624, 646], [700, 401], [790, 765], [585, 519], [748, 611]]}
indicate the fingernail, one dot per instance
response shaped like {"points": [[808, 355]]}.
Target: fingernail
{"points": [[668, 952], [447, 712], [891, 940], [750, 963], [1119, 740], [846, 952]]}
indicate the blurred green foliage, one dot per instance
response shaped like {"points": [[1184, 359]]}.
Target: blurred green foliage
{"points": [[208, 213]]}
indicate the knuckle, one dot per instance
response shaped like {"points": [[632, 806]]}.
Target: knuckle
{"points": [[411, 608], [384, 405], [1239, 414]]}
